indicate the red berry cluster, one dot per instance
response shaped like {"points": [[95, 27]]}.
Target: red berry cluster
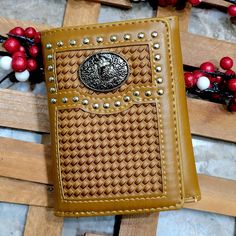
{"points": [[24, 56], [209, 82], [165, 3]]}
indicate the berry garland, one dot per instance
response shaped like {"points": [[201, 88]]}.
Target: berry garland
{"points": [[208, 82], [23, 57]]}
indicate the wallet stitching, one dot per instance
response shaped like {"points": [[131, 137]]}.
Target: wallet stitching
{"points": [[175, 129]]}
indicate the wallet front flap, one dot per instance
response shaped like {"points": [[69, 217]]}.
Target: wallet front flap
{"points": [[113, 118]]}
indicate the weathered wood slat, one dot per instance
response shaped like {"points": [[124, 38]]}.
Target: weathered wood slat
{"points": [[41, 221], [81, 12], [126, 4], [144, 224], [218, 194], [217, 3]]}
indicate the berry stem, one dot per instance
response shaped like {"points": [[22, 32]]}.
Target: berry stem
{"points": [[7, 76], [2, 39]]}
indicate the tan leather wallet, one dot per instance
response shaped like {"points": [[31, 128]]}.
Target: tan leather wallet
{"points": [[119, 125]]}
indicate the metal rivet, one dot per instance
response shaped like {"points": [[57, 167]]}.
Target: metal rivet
{"points": [[159, 80], [127, 37], [99, 39], [136, 93], [154, 34], [113, 38], [148, 93], [160, 92], [72, 42], [141, 35], [156, 45], [85, 102], [49, 57], [48, 45], [95, 106], [117, 103], [106, 105], [53, 100], [85, 41], [158, 69], [51, 79], [126, 98], [59, 43], [64, 100], [157, 57], [52, 90], [75, 99], [50, 68]]}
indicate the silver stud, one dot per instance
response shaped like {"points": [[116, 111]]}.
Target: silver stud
{"points": [[126, 98], [141, 35], [127, 37], [158, 69], [160, 92], [64, 100], [157, 57], [85, 102], [99, 39], [51, 79], [49, 57], [113, 38], [72, 42], [75, 99], [148, 93], [85, 41], [159, 80], [53, 100], [106, 105], [50, 67], [59, 43], [48, 45], [95, 106], [117, 103], [136, 93], [156, 45], [154, 34], [52, 90]]}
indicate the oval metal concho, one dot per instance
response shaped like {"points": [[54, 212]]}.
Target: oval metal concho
{"points": [[104, 71]]}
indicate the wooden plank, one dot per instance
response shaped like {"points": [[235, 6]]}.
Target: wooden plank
{"points": [[135, 225], [23, 110], [218, 196], [81, 12], [24, 192], [126, 4], [215, 3], [211, 120], [24, 160], [41, 221]]}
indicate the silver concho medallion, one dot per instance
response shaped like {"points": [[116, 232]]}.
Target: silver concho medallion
{"points": [[104, 71]]}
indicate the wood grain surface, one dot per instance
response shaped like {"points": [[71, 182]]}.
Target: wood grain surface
{"points": [[126, 4]]}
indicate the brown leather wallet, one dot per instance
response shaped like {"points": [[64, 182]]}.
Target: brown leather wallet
{"points": [[119, 125]]}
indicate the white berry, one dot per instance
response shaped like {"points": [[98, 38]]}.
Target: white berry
{"points": [[22, 76], [5, 63], [203, 83]]}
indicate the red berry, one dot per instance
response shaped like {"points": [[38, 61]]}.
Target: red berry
{"points": [[162, 3], [18, 54], [232, 10], [218, 79], [17, 31], [232, 84], [21, 49], [19, 64], [207, 66], [229, 72], [232, 105], [30, 32], [34, 51], [226, 63], [194, 2], [198, 74], [189, 80], [11, 45], [31, 65], [212, 79], [37, 37]]}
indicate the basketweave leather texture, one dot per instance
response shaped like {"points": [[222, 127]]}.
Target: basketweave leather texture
{"points": [[128, 158]]}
